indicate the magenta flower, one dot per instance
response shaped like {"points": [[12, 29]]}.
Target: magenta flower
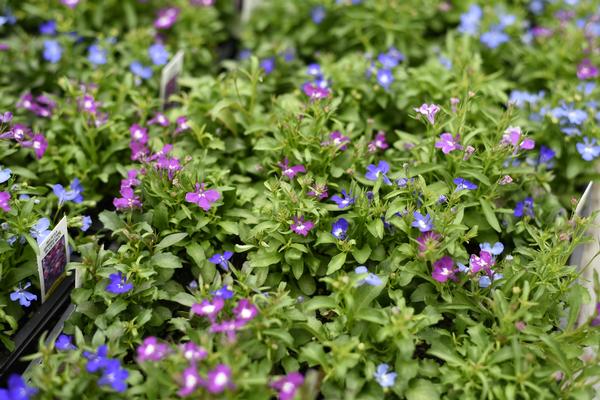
{"points": [[4, 201], [228, 327], [428, 241], [138, 150], [39, 144], [596, 320], [182, 125], [128, 200], [159, 119], [219, 379], [338, 140], [443, 269], [131, 180], [301, 227], [209, 309], [190, 381], [171, 164], [288, 385], [202, 197], [448, 143], [244, 312], [429, 111], [315, 92], [166, 18], [484, 262], [162, 152], [70, 3], [152, 350], [586, 70], [138, 134], [192, 352], [512, 136], [88, 104], [378, 143], [288, 171]]}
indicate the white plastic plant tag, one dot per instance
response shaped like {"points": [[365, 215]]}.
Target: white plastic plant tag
{"points": [[168, 79], [53, 259]]}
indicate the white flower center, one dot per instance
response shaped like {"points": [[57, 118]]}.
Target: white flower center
{"points": [[150, 349], [246, 313], [208, 308], [221, 379], [288, 387], [190, 381]]}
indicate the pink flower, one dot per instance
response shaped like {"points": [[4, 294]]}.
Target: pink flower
{"points": [[192, 352], [378, 143], [315, 92], [70, 3], [338, 140], [484, 261], [288, 171], [209, 309], [586, 70], [202, 197], [428, 241], [443, 269], [244, 312], [128, 200], [288, 385], [219, 379], [159, 119], [152, 350], [512, 136], [39, 144], [302, 227], [182, 125], [448, 143], [171, 164], [429, 111], [166, 18], [138, 134], [4, 199], [190, 381]]}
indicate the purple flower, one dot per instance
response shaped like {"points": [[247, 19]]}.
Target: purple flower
{"points": [[378, 143], [70, 3], [138, 133], [151, 350], [313, 70], [52, 51], [343, 201], [4, 201], [373, 172], [319, 191], [128, 201], [39, 144], [315, 92], [339, 229], [96, 55], [182, 124], [384, 378], [443, 269], [221, 259], [422, 222], [463, 184], [596, 320], [40, 230], [114, 376], [588, 149], [370, 278], [171, 164], [484, 262], [428, 241], [448, 143], [546, 156], [208, 309], [288, 171], [64, 343], [118, 284], [73, 194], [223, 293], [228, 327], [190, 381], [158, 54], [202, 197], [244, 312], [138, 69], [96, 361], [6, 117], [219, 379], [512, 136], [301, 227], [88, 104], [17, 389], [192, 352], [268, 65], [385, 78], [159, 119], [317, 14], [524, 207], [429, 111], [288, 385], [48, 28], [22, 296], [86, 222], [166, 18], [338, 140], [586, 70]]}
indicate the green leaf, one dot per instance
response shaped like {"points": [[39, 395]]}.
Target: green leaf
{"points": [[111, 221], [185, 299], [263, 259], [170, 240], [336, 263], [361, 255], [166, 260], [376, 228], [490, 216], [196, 252], [422, 390], [318, 302]]}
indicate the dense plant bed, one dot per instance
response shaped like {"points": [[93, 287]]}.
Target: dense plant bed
{"points": [[388, 210]]}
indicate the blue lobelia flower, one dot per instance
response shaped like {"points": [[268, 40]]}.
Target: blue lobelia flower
{"points": [[22, 296]]}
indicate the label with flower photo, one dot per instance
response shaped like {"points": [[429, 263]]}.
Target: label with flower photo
{"points": [[53, 259], [168, 79]]}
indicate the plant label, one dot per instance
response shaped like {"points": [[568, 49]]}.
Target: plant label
{"points": [[53, 259], [168, 79]]}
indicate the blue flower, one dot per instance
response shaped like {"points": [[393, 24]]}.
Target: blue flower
{"points": [[463, 184], [313, 69], [40, 230], [524, 207], [86, 222], [268, 65], [118, 284], [5, 174], [374, 172], [64, 343], [221, 259], [48, 28], [223, 293], [371, 279], [588, 149], [52, 51], [96, 55], [24, 297], [385, 78], [496, 249], [17, 389], [494, 38], [317, 14], [158, 54], [140, 70], [114, 375], [469, 21], [343, 201], [74, 194], [422, 222], [568, 114], [383, 377], [96, 361], [485, 281], [339, 229], [546, 156], [387, 60]]}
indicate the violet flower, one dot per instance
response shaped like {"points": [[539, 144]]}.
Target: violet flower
{"points": [[484, 262], [40, 230], [448, 143], [443, 269], [73, 194], [463, 184], [192, 352], [339, 229], [96, 55], [204, 198], [223, 293], [182, 124], [128, 201], [428, 241], [288, 385], [221, 259], [166, 18], [496, 249], [320, 191], [118, 284], [512, 136], [524, 207], [138, 133], [219, 379], [586, 70], [88, 104], [171, 164], [422, 222], [343, 201], [190, 381], [208, 309], [22, 296], [244, 312], [301, 227], [152, 350], [385, 78], [292, 171], [429, 111], [373, 172], [159, 119], [39, 144], [315, 92], [596, 320], [158, 54], [588, 149], [140, 71], [378, 143], [338, 140], [114, 375], [70, 3], [64, 343], [4, 201], [52, 51], [17, 389], [96, 361]]}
